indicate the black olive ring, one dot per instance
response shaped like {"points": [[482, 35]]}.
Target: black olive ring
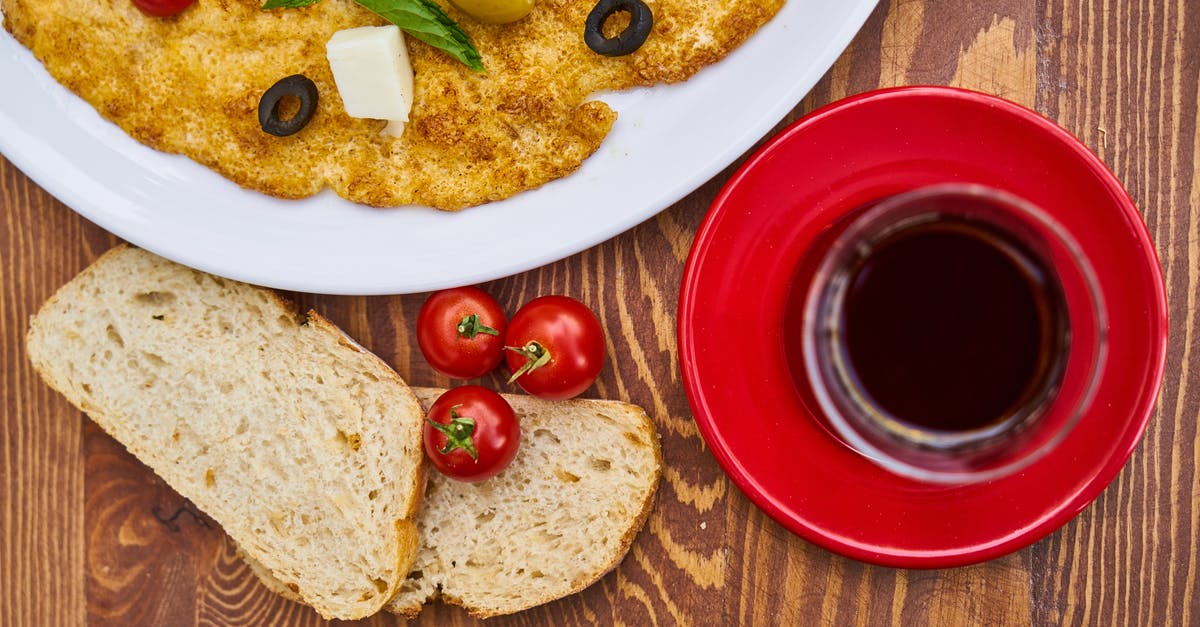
{"points": [[297, 85], [641, 20]]}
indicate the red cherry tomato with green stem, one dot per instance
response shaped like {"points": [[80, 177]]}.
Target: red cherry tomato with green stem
{"points": [[555, 347], [162, 8], [471, 433], [461, 332]]}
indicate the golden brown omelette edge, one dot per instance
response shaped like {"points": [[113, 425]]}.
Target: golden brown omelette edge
{"points": [[190, 84]]}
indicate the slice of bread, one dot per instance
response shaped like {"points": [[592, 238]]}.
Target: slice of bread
{"points": [[561, 516], [305, 447]]}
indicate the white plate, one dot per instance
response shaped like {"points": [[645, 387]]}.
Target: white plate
{"points": [[667, 141]]}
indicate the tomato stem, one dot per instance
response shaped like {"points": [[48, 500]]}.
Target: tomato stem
{"points": [[458, 434], [535, 356], [471, 325]]}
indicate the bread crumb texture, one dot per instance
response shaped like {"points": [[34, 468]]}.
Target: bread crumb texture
{"points": [[554, 522], [191, 84], [303, 446], [561, 516]]}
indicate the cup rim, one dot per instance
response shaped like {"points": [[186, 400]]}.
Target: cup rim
{"points": [[932, 442], [741, 385]]}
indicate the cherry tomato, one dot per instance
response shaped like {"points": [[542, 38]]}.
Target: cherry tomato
{"points": [[162, 8], [555, 347], [471, 433], [461, 332]]}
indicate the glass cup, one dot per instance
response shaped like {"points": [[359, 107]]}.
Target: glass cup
{"points": [[1070, 351]]}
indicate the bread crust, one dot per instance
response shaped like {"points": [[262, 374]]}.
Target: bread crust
{"points": [[615, 557], [575, 417], [416, 485], [632, 526], [47, 327]]}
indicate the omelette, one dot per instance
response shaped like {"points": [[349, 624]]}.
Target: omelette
{"points": [[191, 84]]}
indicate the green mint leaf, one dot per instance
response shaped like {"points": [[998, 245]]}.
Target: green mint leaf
{"points": [[287, 4], [422, 19], [426, 21]]}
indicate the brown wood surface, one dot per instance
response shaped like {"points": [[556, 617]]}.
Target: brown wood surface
{"points": [[90, 535]]}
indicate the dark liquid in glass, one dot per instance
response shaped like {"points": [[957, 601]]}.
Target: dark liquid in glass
{"points": [[952, 325]]}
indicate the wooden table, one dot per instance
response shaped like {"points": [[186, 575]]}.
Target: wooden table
{"points": [[80, 517]]}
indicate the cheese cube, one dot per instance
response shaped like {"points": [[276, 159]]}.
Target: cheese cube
{"points": [[372, 72]]}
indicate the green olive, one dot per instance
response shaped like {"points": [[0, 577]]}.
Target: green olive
{"points": [[495, 11]]}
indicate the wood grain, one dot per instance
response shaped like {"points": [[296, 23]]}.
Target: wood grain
{"points": [[1124, 77], [92, 536]]}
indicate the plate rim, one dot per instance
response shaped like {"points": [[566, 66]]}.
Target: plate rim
{"points": [[19, 147]]}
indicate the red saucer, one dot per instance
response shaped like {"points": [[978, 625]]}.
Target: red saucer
{"points": [[734, 305]]}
